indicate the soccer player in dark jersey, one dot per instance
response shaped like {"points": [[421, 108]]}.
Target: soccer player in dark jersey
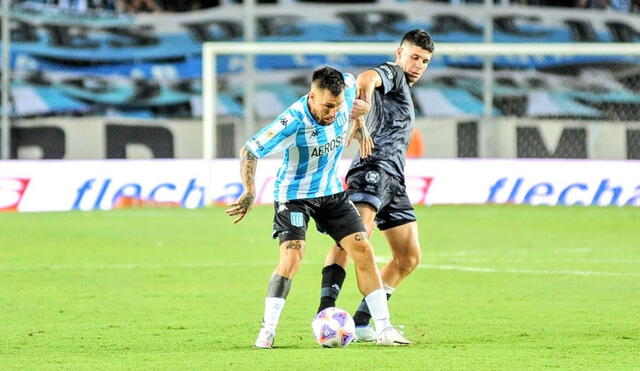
{"points": [[376, 183]]}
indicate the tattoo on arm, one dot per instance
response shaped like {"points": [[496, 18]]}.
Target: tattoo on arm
{"points": [[248, 165], [294, 245], [359, 135]]}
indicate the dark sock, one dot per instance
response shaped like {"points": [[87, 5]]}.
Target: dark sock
{"points": [[362, 316], [332, 280]]}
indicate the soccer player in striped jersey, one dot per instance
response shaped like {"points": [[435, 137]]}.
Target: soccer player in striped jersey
{"points": [[376, 183], [312, 133]]}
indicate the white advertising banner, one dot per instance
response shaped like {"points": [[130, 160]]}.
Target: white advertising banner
{"points": [[101, 185]]}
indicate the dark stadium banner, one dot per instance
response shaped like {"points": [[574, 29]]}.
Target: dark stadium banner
{"points": [[605, 92], [174, 36], [149, 65]]}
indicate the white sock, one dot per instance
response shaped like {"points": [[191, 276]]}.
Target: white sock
{"points": [[272, 310], [377, 303], [388, 289]]}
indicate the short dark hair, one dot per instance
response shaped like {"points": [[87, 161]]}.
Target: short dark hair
{"points": [[419, 37], [330, 79]]}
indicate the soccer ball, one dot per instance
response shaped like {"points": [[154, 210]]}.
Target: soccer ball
{"points": [[333, 328]]}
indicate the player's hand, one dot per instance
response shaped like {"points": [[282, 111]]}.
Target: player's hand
{"points": [[360, 132], [241, 206], [360, 107]]}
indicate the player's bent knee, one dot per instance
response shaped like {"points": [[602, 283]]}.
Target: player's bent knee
{"points": [[356, 245], [408, 264]]}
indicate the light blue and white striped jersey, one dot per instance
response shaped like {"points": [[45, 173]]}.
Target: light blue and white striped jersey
{"points": [[312, 151]]}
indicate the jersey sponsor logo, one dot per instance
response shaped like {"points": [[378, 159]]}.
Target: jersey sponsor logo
{"points": [[297, 220], [314, 133], [284, 121], [372, 177], [328, 147], [258, 145]]}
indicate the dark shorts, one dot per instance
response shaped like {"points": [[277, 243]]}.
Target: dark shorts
{"points": [[385, 193], [334, 215]]}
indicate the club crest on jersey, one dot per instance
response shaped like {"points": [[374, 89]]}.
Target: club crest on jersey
{"points": [[372, 177]]}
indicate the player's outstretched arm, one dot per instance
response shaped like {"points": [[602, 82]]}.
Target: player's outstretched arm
{"points": [[367, 81], [248, 165], [360, 132]]}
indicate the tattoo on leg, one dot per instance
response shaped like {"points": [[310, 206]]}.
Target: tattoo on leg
{"points": [[294, 245], [360, 236]]}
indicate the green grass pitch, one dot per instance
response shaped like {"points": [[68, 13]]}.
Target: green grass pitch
{"points": [[500, 287]]}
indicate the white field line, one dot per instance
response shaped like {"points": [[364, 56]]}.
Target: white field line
{"points": [[139, 266], [527, 271], [461, 260], [258, 264]]}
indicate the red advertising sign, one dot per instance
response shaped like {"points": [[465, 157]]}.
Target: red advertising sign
{"points": [[11, 192]]}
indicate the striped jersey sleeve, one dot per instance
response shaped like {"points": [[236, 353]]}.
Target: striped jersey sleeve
{"points": [[275, 137], [350, 90]]}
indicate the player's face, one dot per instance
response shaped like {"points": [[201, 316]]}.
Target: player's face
{"points": [[413, 60], [324, 106]]}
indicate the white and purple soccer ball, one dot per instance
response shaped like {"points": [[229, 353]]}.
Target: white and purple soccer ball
{"points": [[333, 328]]}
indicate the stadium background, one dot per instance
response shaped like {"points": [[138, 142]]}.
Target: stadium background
{"points": [[105, 113], [96, 84]]}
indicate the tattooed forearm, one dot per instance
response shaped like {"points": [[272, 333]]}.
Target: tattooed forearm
{"points": [[294, 245], [248, 165]]}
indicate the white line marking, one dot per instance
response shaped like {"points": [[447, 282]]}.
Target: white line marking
{"points": [[140, 266], [527, 271], [261, 264]]}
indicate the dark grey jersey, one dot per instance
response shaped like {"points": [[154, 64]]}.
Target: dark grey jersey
{"points": [[390, 122]]}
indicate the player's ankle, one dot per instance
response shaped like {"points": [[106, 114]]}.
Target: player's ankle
{"points": [[326, 302]]}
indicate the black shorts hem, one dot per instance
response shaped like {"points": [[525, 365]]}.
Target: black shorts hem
{"points": [[340, 237], [284, 237], [366, 198], [393, 223]]}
